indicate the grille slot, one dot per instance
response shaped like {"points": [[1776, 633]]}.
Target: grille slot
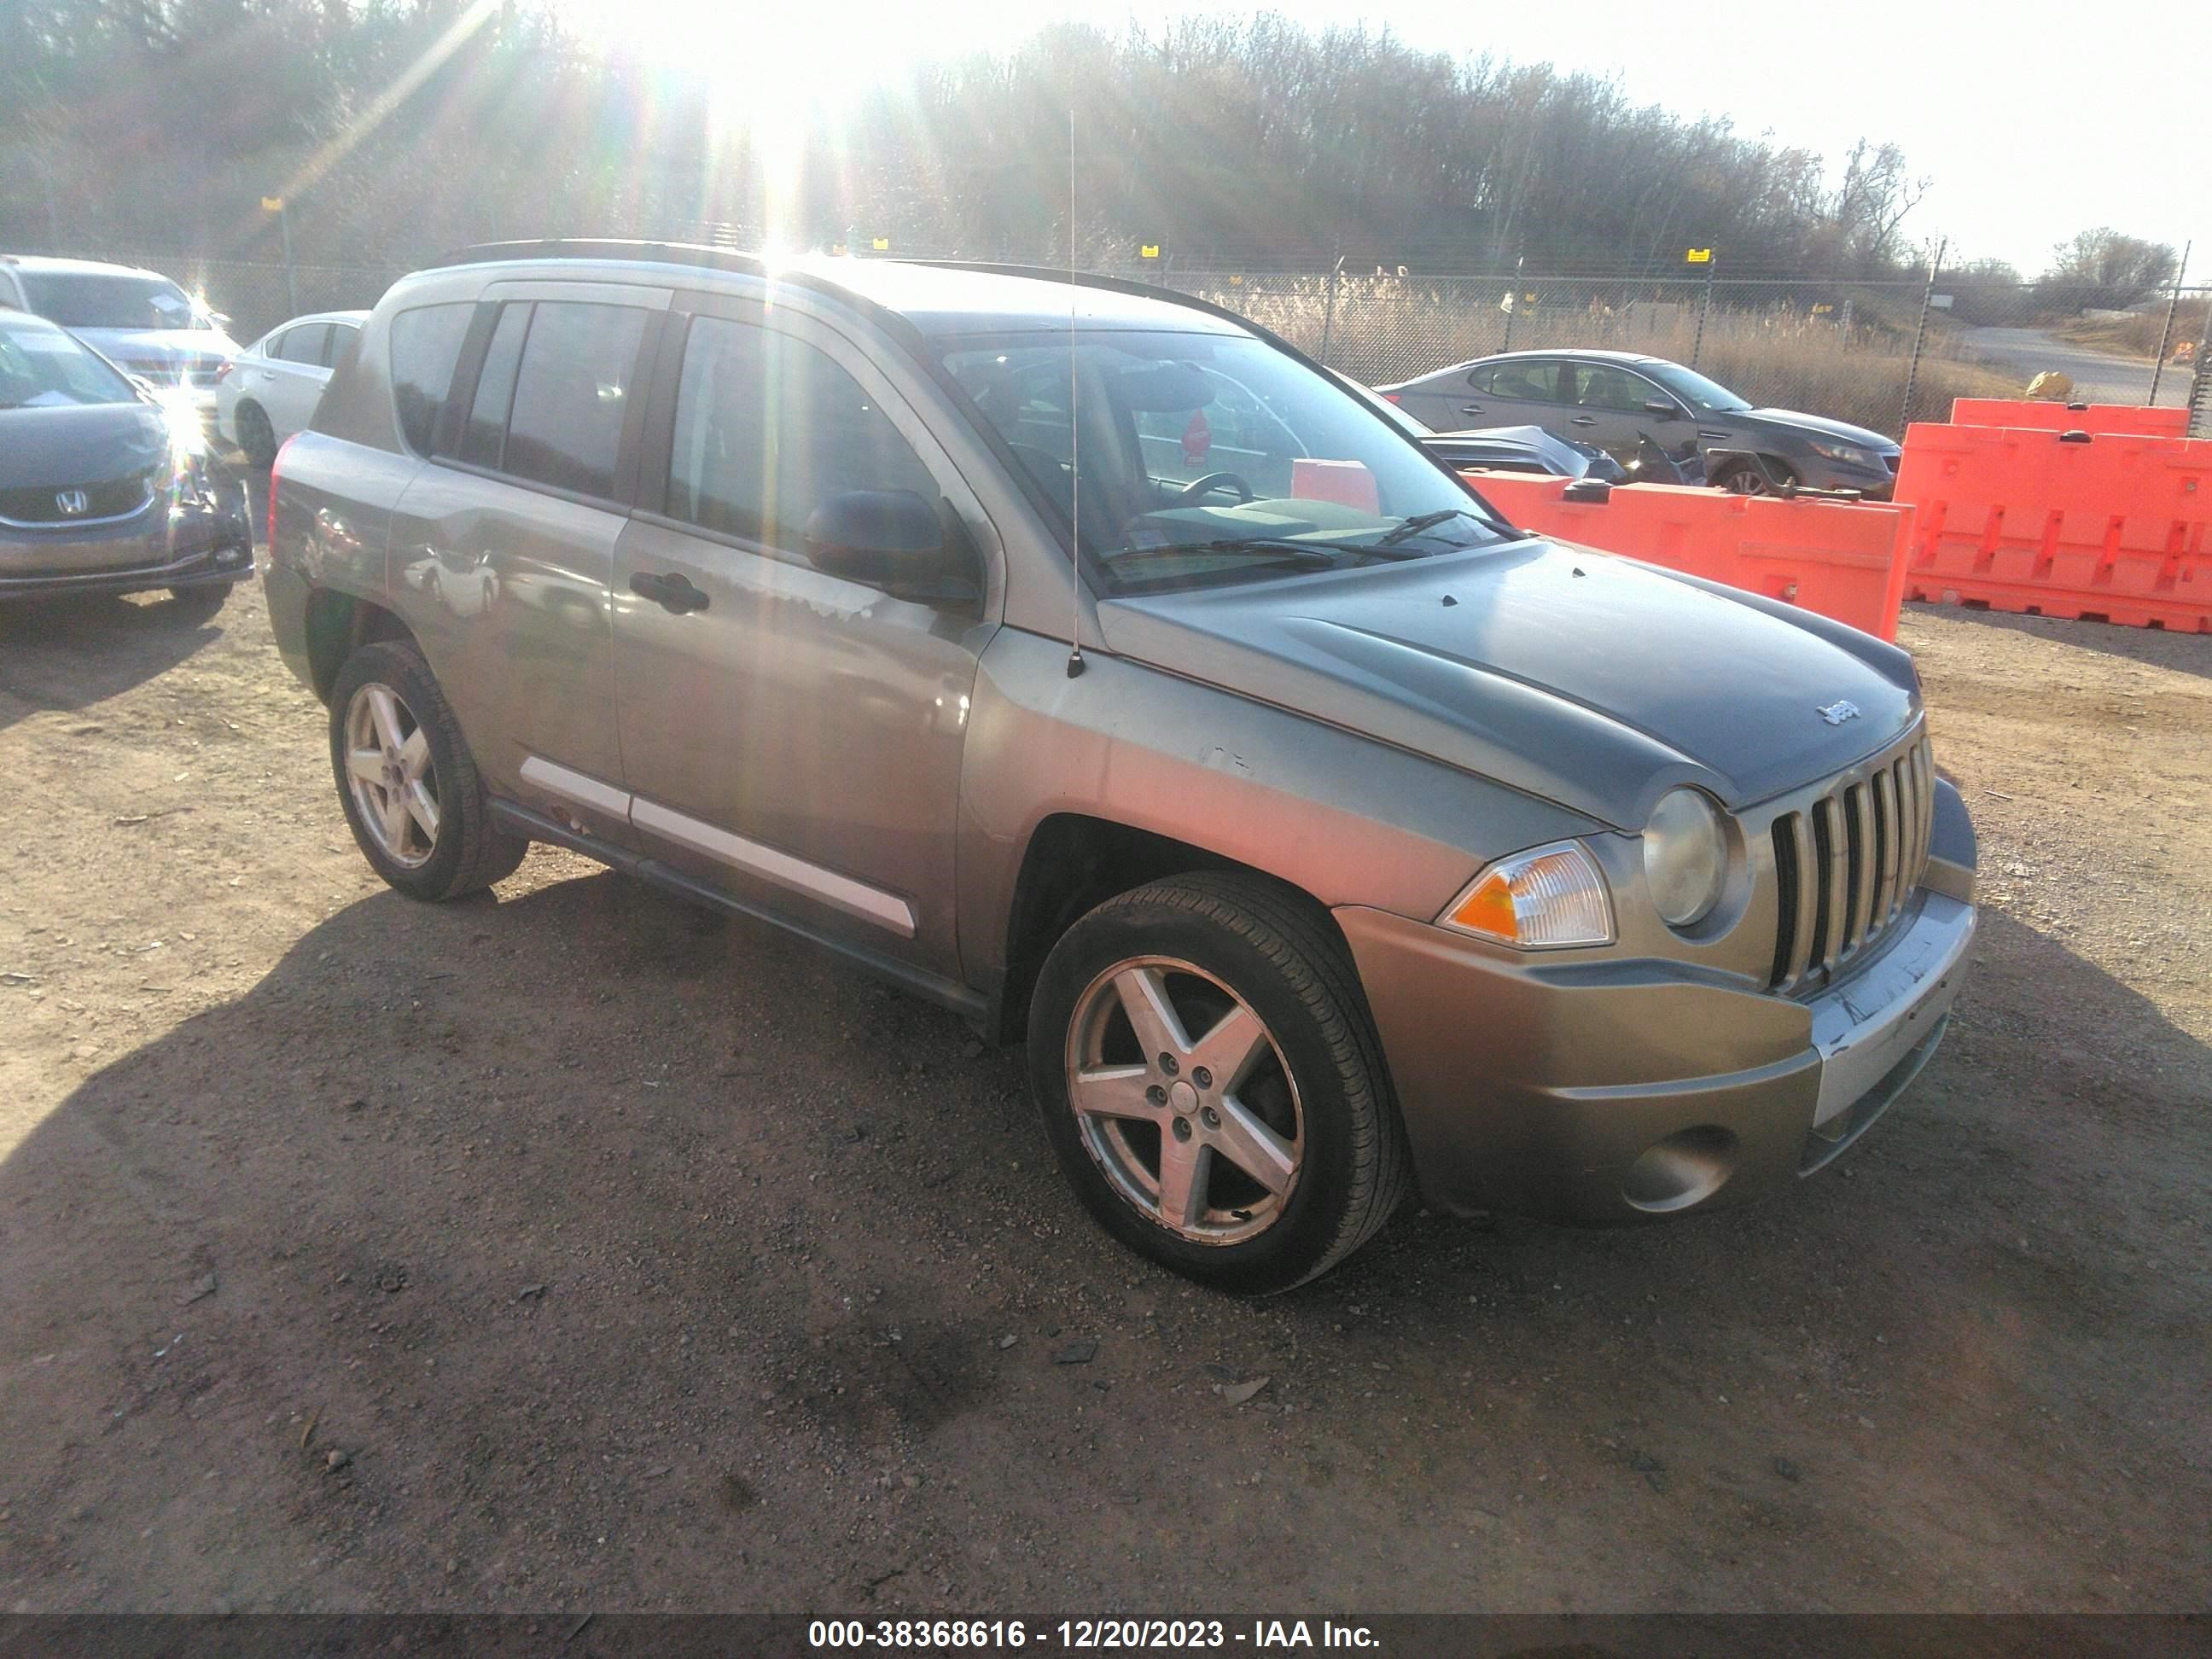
{"points": [[35, 504], [1846, 864]]}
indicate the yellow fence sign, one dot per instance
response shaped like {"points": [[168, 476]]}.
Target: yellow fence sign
{"points": [[272, 204], [1149, 250], [1699, 255], [883, 245]]}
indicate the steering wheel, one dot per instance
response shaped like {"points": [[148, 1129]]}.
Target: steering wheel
{"points": [[1199, 489]]}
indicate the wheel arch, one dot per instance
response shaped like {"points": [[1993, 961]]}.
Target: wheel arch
{"points": [[339, 623], [1074, 861]]}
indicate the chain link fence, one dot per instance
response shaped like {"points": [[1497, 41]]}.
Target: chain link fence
{"points": [[1874, 354]]}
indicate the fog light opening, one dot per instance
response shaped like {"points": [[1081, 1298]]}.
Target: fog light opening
{"points": [[1687, 1168]]}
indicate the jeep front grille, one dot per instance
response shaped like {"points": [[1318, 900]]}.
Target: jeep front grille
{"points": [[1848, 862]]}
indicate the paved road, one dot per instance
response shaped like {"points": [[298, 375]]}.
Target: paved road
{"points": [[2098, 377]]}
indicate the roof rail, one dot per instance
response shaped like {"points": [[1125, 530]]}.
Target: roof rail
{"points": [[665, 254]]}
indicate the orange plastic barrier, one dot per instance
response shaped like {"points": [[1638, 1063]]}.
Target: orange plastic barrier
{"points": [[1843, 559], [2113, 529], [2162, 422]]}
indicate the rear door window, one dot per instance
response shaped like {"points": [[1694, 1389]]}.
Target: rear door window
{"points": [[572, 395], [484, 438], [304, 345], [1531, 380], [342, 336], [426, 344]]}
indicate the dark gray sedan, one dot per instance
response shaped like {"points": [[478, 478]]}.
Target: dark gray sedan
{"points": [[104, 487], [1618, 400]]}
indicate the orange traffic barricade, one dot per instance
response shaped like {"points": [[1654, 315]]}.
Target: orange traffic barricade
{"points": [[2062, 524], [2093, 418], [1841, 559]]}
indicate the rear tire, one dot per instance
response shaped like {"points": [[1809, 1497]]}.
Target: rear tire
{"points": [[413, 797], [1270, 1148], [257, 439]]}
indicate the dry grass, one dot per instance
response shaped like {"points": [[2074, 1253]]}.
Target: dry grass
{"points": [[1386, 328], [2138, 336]]}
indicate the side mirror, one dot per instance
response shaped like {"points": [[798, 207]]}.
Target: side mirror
{"points": [[1664, 409], [892, 539]]}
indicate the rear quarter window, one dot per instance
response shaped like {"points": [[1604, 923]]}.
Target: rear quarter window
{"points": [[426, 344]]}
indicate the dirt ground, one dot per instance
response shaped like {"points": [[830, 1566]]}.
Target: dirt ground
{"points": [[570, 1249]]}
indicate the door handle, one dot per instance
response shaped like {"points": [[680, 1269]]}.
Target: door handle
{"points": [[1583, 420], [1470, 408], [671, 592]]}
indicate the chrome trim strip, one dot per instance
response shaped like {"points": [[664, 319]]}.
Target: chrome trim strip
{"points": [[854, 898], [1893, 850], [1808, 898], [576, 786]]}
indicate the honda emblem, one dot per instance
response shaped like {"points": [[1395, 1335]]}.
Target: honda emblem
{"points": [[71, 502]]}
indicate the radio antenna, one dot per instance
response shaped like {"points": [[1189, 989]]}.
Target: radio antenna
{"points": [[1074, 437]]}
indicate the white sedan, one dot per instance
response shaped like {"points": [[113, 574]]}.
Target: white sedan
{"points": [[270, 390]]}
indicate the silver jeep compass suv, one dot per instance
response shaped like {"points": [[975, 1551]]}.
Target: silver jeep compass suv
{"points": [[1086, 660]]}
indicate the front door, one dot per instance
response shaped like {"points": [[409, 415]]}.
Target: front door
{"points": [[791, 738]]}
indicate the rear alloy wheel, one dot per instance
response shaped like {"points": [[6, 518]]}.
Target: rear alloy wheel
{"points": [[417, 807], [257, 439], [1209, 1077]]}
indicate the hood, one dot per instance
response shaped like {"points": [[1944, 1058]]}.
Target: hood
{"points": [[80, 444], [1821, 423], [1590, 681], [168, 345]]}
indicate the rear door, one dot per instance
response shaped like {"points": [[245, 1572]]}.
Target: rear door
{"points": [[503, 548], [794, 739], [288, 378]]}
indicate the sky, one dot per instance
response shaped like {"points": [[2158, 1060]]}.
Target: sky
{"points": [[2005, 103]]}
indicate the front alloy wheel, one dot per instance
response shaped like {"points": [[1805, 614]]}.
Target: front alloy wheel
{"points": [[1211, 1081], [1203, 1133]]}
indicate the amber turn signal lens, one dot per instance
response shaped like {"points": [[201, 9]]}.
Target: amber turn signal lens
{"points": [[1547, 897]]}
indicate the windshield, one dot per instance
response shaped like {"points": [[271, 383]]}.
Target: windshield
{"points": [[1694, 389], [42, 367], [96, 300], [1210, 458]]}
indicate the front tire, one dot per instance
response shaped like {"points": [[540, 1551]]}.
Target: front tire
{"points": [[1211, 1083], [1747, 479], [413, 797]]}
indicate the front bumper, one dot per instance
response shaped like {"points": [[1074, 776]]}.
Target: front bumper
{"points": [[154, 551], [1605, 1091]]}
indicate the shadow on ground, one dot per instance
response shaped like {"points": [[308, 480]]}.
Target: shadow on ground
{"points": [[583, 1250], [70, 653]]}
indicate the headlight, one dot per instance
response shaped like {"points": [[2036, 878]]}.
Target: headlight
{"points": [[1685, 857], [1845, 454], [1545, 897]]}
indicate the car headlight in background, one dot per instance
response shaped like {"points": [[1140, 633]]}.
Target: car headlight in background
{"points": [[1547, 897], [1844, 454], [1685, 857]]}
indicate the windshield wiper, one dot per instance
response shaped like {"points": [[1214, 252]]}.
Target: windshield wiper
{"points": [[1425, 521]]}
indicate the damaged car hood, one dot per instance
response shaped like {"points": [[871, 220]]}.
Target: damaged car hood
{"points": [[1588, 680]]}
